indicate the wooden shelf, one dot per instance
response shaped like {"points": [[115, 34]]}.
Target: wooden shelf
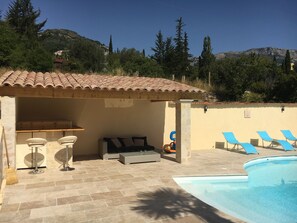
{"points": [[73, 129]]}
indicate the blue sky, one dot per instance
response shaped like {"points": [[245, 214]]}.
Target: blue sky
{"points": [[232, 25]]}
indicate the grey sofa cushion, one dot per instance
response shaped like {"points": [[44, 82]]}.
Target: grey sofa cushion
{"points": [[111, 147], [140, 140], [126, 142], [132, 144]]}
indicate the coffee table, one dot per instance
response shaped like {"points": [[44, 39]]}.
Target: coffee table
{"points": [[140, 157]]}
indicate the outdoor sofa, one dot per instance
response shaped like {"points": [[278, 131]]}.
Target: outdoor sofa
{"points": [[111, 147]]}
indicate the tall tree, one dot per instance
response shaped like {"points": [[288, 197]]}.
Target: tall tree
{"points": [[179, 47], [179, 36], [27, 53], [159, 50], [186, 55], [110, 47], [23, 18], [169, 63], [287, 62], [207, 58], [8, 43]]}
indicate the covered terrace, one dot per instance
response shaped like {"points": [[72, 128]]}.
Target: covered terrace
{"points": [[100, 104]]}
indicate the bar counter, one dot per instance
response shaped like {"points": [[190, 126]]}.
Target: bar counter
{"points": [[53, 154], [64, 130]]}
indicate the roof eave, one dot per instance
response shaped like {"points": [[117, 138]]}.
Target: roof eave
{"points": [[18, 91]]}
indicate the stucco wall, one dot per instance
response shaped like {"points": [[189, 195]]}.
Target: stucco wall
{"points": [[1, 149], [143, 118], [8, 121], [1, 155], [207, 127], [149, 119]]}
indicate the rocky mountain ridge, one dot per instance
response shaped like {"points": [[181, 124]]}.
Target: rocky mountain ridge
{"points": [[265, 51], [61, 39]]}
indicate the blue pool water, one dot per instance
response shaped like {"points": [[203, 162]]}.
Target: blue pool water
{"points": [[267, 194]]}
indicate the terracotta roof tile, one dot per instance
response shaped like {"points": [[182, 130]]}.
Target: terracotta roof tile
{"points": [[48, 81], [93, 82]]}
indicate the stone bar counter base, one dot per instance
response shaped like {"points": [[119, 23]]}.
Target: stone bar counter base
{"points": [[53, 154]]}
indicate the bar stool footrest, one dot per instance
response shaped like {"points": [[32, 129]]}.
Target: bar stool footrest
{"points": [[68, 169], [38, 171]]}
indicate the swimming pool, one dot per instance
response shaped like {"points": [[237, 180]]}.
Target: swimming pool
{"points": [[267, 194]]}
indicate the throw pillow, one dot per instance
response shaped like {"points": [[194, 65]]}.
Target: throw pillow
{"points": [[127, 142], [116, 142], [139, 142], [140, 139]]}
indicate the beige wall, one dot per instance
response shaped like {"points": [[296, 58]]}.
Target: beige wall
{"points": [[149, 119], [1, 149], [1, 156], [8, 121], [143, 118], [209, 126]]}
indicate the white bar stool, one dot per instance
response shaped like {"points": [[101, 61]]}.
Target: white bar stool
{"points": [[36, 143], [67, 141]]}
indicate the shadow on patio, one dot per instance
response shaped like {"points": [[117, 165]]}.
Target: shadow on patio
{"points": [[175, 203]]}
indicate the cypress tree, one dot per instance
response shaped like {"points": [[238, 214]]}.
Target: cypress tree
{"points": [[110, 47], [186, 55], [179, 48], [179, 37], [206, 54], [274, 60], [287, 62], [179, 62], [207, 58]]}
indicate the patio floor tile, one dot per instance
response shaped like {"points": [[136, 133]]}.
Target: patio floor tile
{"points": [[37, 204], [74, 199], [108, 191], [106, 195]]}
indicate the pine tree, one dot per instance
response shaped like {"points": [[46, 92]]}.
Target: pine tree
{"points": [[22, 17], [159, 49], [9, 41], [169, 63], [110, 47]]}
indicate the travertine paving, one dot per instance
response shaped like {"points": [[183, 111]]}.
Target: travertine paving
{"points": [[108, 191]]}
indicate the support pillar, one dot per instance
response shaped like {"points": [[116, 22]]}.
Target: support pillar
{"points": [[8, 120], [183, 130]]}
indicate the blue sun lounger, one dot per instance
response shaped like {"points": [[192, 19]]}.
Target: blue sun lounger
{"points": [[289, 136], [274, 142], [230, 138]]}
